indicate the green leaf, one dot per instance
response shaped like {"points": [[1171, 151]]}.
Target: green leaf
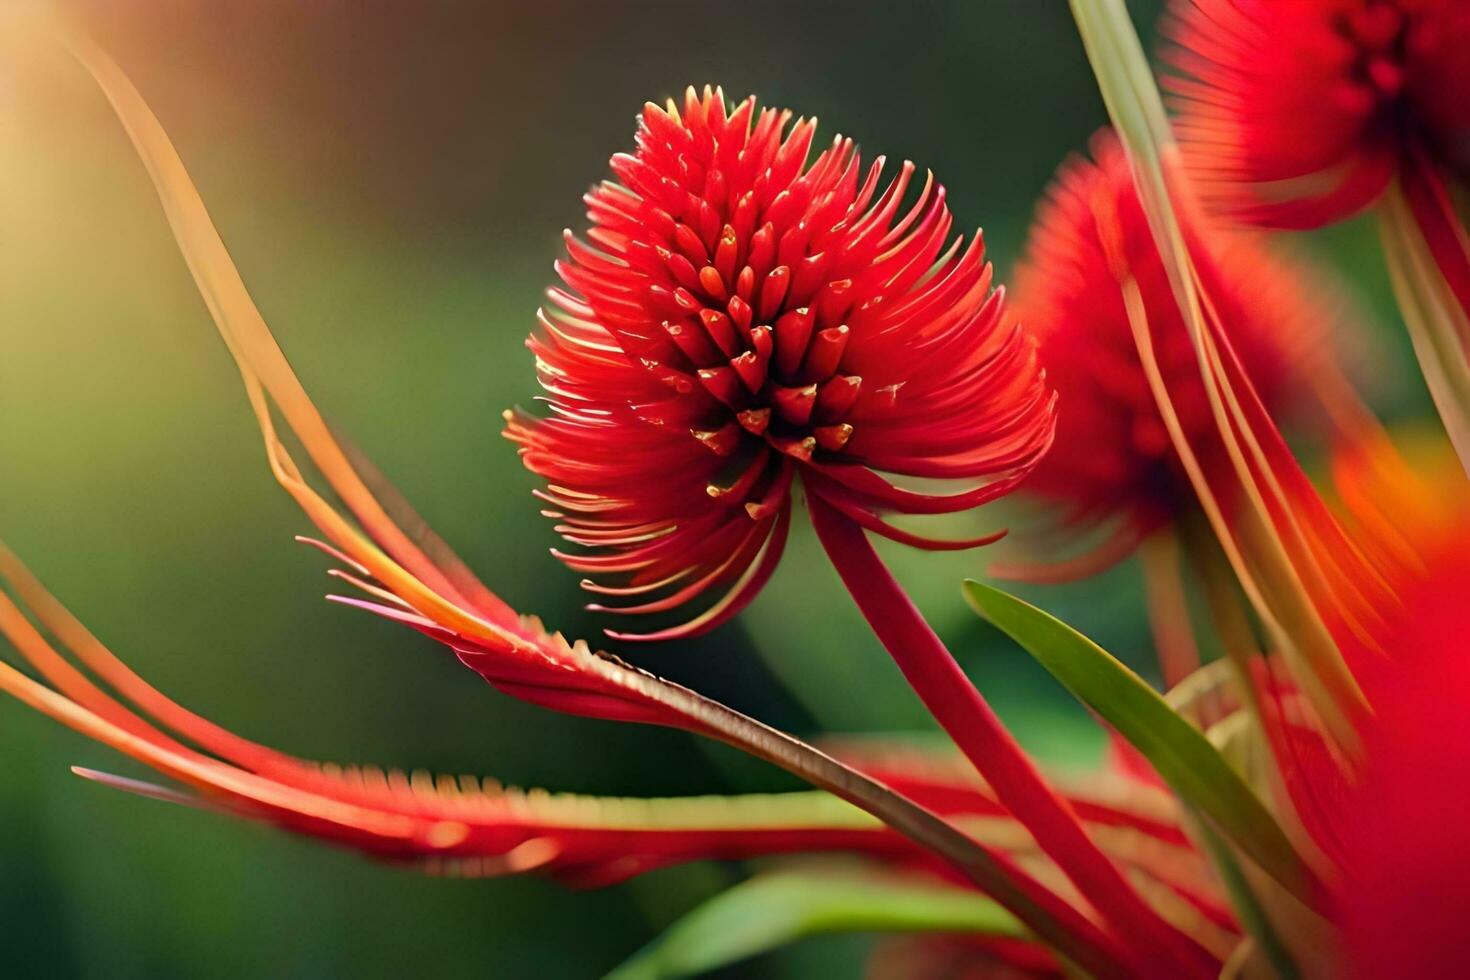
{"points": [[1253, 916], [1178, 751], [774, 909], [1128, 89]]}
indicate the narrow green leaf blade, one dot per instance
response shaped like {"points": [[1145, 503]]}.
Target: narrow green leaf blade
{"points": [[1253, 917], [1180, 753], [1433, 316], [772, 910]]}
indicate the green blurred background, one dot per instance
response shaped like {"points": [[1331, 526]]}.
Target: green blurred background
{"points": [[393, 179]]}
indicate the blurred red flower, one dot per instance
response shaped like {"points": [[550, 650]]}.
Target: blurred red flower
{"points": [[1299, 113], [1112, 462], [1404, 817]]}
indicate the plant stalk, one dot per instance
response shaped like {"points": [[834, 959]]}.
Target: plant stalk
{"points": [[1157, 948]]}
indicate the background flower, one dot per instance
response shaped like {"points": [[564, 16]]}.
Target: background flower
{"points": [[1112, 464], [1299, 113]]}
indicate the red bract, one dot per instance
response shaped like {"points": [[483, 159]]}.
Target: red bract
{"points": [[449, 826], [1300, 112], [1113, 461], [465, 827], [738, 317]]}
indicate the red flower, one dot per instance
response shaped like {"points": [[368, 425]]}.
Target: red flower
{"points": [[738, 317], [1405, 816], [1321, 98], [1113, 461], [1395, 818]]}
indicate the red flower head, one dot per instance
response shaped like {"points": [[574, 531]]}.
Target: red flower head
{"points": [[1321, 98], [1113, 459], [739, 316]]}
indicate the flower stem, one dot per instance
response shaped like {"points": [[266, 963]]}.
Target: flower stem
{"points": [[1160, 950], [1168, 606], [1068, 931]]}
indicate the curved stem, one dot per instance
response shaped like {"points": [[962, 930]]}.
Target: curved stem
{"points": [[1158, 948], [1054, 921], [1168, 606], [1423, 247]]}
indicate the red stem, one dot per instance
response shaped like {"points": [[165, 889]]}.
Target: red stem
{"points": [[1160, 950]]}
